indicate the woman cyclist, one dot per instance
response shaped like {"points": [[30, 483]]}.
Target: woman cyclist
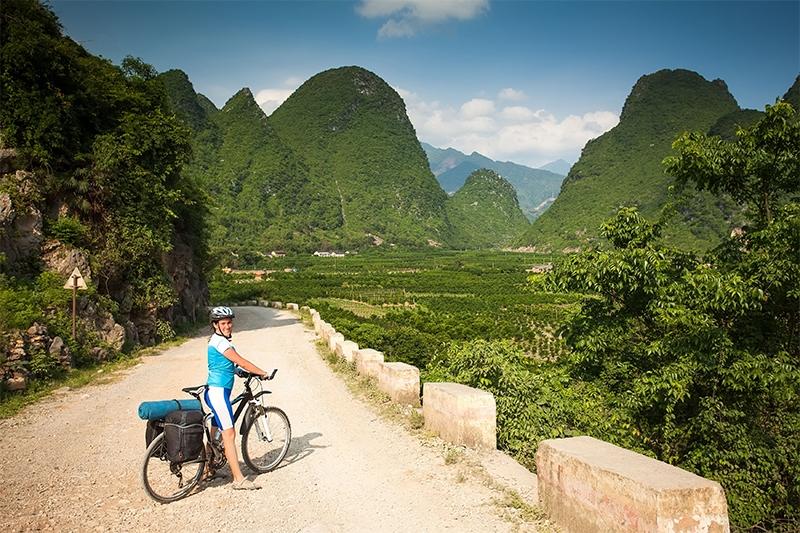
{"points": [[222, 360]]}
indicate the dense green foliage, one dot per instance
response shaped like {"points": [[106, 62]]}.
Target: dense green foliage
{"points": [[702, 356], [623, 168], [485, 212], [535, 187], [760, 169], [106, 154]]}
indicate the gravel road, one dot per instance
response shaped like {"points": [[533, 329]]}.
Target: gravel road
{"points": [[71, 462]]}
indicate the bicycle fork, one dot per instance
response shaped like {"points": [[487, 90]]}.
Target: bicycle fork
{"points": [[262, 422]]}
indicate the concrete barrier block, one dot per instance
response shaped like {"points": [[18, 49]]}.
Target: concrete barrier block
{"points": [[292, 307], [277, 305], [305, 309], [323, 330], [589, 485], [333, 340], [263, 303], [328, 332], [252, 302], [368, 362], [460, 414], [346, 350], [400, 381]]}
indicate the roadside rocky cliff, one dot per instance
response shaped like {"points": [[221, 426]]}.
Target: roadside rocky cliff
{"points": [[26, 251]]}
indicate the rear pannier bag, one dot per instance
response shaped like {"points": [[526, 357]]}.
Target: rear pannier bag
{"points": [[153, 430], [183, 433]]}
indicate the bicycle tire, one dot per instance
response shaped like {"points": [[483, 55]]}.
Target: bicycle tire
{"points": [[158, 474], [260, 455]]}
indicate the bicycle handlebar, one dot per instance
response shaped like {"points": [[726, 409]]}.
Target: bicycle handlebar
{"points": [[242, 373]]}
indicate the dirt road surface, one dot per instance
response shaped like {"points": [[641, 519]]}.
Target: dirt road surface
{"points": [[71, 462]]}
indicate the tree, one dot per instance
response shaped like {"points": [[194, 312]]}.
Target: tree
{"points": [[702, 355], [758, 169]]}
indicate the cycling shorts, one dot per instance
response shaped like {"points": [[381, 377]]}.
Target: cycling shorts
{"points": [[219, 400]]}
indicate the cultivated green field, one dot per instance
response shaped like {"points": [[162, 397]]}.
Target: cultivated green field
{"points": [[413, 305]]}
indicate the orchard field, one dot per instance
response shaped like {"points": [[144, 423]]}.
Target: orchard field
{"points": [[414, 305]]}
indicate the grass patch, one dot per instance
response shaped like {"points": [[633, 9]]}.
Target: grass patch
{"points": [[453, 455]]}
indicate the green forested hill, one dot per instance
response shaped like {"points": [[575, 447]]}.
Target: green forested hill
{"points": [[536, 188], [485, 212], [262, 190], [352, 131], [793, 94], [623, 167], [259, 192]]}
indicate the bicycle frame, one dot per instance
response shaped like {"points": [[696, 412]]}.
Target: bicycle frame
{"points": [[245, 399]]}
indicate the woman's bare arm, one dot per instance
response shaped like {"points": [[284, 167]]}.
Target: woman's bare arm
{"points": [[237, 359]]}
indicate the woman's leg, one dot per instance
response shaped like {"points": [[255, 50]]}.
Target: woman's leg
{"points": [[219, 400], [229, 440]]}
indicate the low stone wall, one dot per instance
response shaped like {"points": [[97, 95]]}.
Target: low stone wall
{"points": [[460, 414], [292, 307], [346, 350], [368, 362], [400, 381], [584, 484], [334, 339], [589, 485]]}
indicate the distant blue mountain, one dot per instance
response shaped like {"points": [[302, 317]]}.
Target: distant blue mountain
{"points": [[536, 188], [559, 166]]}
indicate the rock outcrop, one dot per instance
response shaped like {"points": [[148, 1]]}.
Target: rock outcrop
{"points": [[20, 220], [63, 259], [188, 282], [31, 354]]}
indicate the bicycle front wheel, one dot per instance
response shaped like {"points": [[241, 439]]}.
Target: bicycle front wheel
{"points": [[165, 481], [266, 438]]}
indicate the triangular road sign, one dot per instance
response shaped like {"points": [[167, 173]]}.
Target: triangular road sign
{"points": [[75, 279]]}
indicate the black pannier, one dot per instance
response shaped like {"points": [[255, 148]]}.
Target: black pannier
{"points": [[153, 430], [183, 433]]}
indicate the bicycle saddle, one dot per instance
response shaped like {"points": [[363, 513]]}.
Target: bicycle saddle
{"points": [[195, 391]]}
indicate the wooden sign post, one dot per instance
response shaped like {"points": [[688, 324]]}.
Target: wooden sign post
{"points": [[75, 282]]}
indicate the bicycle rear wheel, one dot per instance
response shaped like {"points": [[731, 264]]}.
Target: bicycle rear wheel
{"points": [[266, 438], [165, 481]]}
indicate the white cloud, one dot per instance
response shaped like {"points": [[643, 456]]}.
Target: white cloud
{"points": [[519, 113], [271, 99], [511, 94], [516, 133], [396, 28], [477, 107], [408, 16]]}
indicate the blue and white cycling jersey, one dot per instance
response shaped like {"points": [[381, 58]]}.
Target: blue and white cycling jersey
{"points": [[220, 368]]}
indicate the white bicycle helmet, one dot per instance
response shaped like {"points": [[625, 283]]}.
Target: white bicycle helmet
{"points": [[220, 312]]}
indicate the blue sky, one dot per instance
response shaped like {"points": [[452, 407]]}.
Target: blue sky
{"points": [[526, 81]]}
